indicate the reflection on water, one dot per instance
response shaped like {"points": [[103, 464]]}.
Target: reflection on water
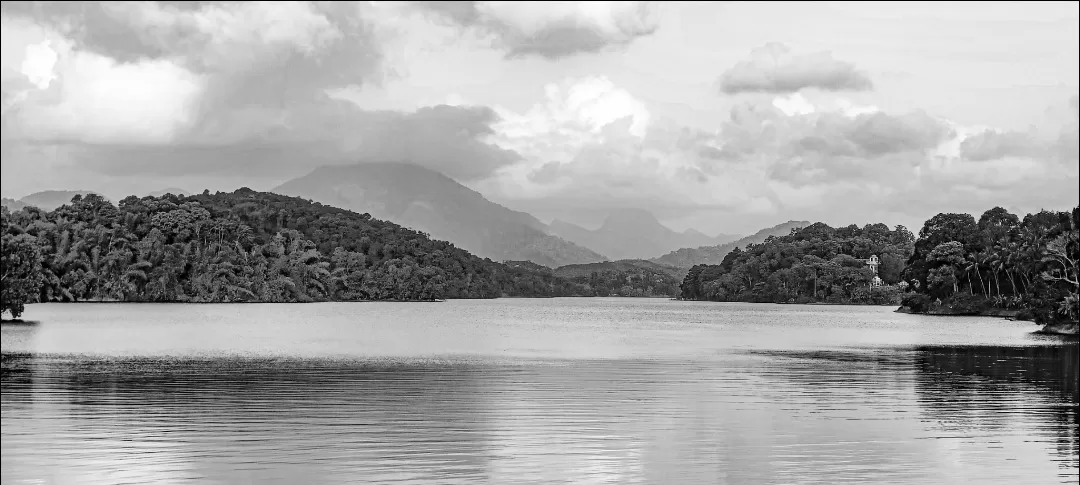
{"points": [[1015, 394], [736, 409]]}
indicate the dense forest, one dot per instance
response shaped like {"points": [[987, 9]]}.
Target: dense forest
{"points": [[814, 264], [961, 265], [956, 265], [249, 246], [243, 246], [627, 277]]}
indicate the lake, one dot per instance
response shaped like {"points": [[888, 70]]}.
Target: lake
{"points": [[603, 390]]}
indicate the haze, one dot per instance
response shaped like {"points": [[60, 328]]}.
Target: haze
{"points": [[723, 117]]}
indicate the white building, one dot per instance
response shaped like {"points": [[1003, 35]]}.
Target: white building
{"points": [[873, 264]]}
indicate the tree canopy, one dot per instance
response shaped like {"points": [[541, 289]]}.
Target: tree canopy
{"points": [[1028, 263], [244, 246], [814, 264]]}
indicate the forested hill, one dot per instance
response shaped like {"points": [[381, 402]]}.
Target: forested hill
{"points": [[815, 263], [958, 265], [243, 246]]}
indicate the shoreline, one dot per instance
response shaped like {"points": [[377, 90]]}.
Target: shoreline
{"points": [[1068, 329], [792, 303], [948, 312], [124, 302]]}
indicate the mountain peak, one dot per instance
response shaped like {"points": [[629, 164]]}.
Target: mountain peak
{"points": [[429, 201], [632, 218]]}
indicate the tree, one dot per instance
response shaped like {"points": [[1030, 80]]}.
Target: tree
{"points": [[947, 260], [20, 275], [1062, 255]]}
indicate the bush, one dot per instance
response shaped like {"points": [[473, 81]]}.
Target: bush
{"points": [[885, 295], [968, 304], [917, 302]]}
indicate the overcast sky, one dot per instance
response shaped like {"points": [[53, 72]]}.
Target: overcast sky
{"points": [[727, 117]]}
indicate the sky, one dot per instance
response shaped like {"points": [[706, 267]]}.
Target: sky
{"points": [[722, 116]]}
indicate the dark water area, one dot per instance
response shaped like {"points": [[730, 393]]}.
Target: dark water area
{"points": [[533, 391]]}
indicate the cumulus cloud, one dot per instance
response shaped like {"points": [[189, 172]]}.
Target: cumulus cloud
{"points": [[133, 88], [774, 69], [993, 145], [595, 144], [551, 30], [591, 144]]}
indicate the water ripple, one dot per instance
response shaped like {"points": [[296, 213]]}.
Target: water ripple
{"points": [[824, 396]]}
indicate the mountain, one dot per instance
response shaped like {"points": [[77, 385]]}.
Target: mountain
{"points": [[51, 199], [428, 201], [697, 238], [687, 257], [170, 190], [633, 234], [12, 204], [256, 247]]}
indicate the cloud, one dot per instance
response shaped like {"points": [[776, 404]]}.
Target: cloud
{"points": [[594, 143], [993, 144], [591, 144], [172, 88], [449, 139], [551, 30], [211, 72], [774, 69]]}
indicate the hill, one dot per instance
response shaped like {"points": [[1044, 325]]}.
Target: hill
{"points": [[633, 234], [688, 257], [248, 246], [431, 202], [817, 263]]}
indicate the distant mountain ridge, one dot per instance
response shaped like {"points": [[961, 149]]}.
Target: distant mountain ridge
{"points": [[170, 190], [634, 234], [688, 257], [428, 201], [12, 204], [47, 200]]}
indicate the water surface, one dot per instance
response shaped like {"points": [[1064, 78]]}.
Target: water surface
{"points": [[525, 391]]}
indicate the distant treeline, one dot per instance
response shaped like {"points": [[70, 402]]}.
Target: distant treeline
{"points": [[956, 265], [814, 264], [249, 246]]}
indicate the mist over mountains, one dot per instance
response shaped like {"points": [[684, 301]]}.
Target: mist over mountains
{"points": [[634, 234], [45, 200], [687, 257], [429, 201]]}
